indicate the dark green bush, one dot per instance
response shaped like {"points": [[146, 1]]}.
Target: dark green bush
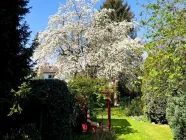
{"points": [[57, 108], [155, 107], [135, 108], [25, 132], [49, 104], [176, 114]]}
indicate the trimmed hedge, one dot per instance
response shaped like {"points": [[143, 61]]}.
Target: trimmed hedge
{"points": [[57, 107], [47, 103]]}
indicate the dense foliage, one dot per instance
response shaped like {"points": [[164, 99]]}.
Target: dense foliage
{"points": [[87, 91], [155, 107], [87, 96], [165, 68], [135, 108], [154, 86], [176, 107], [129, 86], [176, 114], [50, 104]]}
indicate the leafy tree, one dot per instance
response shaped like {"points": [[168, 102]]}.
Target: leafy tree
{"points": [[176, 106], [87, 92], [14, 56], [165, 70], [122, 10], [155, 85]]}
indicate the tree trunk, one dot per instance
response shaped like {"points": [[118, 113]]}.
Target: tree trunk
{"points": [[115, 92]]}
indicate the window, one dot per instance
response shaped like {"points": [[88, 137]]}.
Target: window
{"points": [[50, 76]]}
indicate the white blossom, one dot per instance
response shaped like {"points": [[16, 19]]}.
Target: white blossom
{"points": [[63, 40], [78, 35], [110, 49]]}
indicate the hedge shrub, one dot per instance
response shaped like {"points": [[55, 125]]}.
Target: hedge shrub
{"points": [[49, 104], [176, 115], [155, 107]]}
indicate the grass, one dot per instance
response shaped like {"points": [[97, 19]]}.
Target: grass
{"points": [[127, 128]]}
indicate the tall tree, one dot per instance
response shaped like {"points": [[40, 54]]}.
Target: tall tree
{"points": [[14, 55], [88, 38], [112, 51], [122, 10], [165, 70]]}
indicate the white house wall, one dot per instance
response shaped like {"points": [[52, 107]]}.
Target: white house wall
{"points": [[46, 75]]}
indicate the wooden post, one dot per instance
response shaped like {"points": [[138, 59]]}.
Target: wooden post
{"points": [[107, 94]]}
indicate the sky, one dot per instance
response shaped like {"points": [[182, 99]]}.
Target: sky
{"points": [[39, 14]]}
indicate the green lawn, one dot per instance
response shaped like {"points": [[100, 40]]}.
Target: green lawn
{"points": [[127, 128]]}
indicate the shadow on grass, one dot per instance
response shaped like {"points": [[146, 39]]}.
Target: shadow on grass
{"points": [[119, 130], [120, 126]]}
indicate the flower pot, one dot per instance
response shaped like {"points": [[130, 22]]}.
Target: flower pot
{"points": [[84, 127]]}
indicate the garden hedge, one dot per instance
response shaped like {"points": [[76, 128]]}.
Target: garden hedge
{"points": [[48, 104]]}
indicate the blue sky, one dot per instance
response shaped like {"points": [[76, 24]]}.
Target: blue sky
{"points": [[37, 19]]}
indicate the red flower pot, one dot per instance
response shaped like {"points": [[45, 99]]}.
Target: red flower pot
{"points": [[84, 127]]}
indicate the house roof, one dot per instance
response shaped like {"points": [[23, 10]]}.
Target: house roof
{"points": [[45, 69]]}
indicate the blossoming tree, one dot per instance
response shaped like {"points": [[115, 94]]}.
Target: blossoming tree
{"points": [[110, 49], [78, 35], [63, 42]]}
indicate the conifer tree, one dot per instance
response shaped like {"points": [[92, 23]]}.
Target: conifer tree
{"points": [[15, 54], [122, 10]]}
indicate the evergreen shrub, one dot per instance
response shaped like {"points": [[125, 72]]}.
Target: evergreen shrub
{"points": [[176, 114], [47, 103]]}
